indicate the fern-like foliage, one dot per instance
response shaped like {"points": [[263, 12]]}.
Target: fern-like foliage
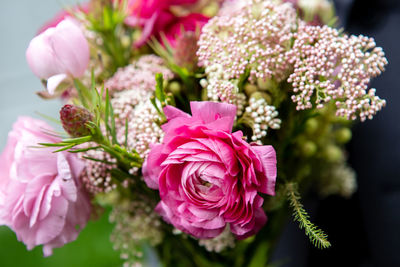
{"points": [[317, 237]]}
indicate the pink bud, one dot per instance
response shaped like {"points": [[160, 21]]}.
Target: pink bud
{"points": [[74, 120], [61, 50]]}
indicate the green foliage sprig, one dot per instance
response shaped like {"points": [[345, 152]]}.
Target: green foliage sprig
{"points": [[103, 112], [161, 98], [317, 237], [107, 21]]}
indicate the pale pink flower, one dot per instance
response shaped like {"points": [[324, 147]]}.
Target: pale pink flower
{"points": [[207, 176], [59, 53], [41, 198]]}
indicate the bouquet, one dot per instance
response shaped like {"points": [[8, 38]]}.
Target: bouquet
{"points": [[200, 124]]}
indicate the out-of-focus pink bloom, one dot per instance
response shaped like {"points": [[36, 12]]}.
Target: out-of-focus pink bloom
{"points": [[153, 16], [59, 53], [189, 23], [207, 176], [41, 197]]}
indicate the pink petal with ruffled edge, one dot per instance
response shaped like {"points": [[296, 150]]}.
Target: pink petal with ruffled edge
{"points": [[267, 155]]}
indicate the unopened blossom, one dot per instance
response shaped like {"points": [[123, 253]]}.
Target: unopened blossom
{"points": [[41, 197], [74, 119], [59, 53], [207, 176]]}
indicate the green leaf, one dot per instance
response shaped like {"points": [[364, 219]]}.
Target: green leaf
{"points": [[84, 93], [84, 149], [317, 237], [153, 101], [65, 148], [53, 145], [260, 256], [98, 160], [107, 113], [113, 129], [78, 140], [126, 132], [160, 93], [119, 174]]}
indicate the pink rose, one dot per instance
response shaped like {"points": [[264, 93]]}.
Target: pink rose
{"points": [[207, 176], [41, 197], [59, 53]]}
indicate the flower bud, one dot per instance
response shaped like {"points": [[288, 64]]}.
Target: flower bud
{"points": [[250, 88], [74, 120], [312, 125], [175, 88], [343, 135], [266, 84], [308, 148], [333, 153]]}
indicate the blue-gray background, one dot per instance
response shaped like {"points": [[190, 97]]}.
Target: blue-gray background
{"points": [[19, 22]]}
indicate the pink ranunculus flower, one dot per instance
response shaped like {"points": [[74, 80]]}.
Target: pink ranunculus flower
{"points": [[41, 197], [59, 53], [207, 176]]}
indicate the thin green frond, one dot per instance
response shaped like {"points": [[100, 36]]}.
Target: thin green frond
{"points": [[98, 160], [317, 237], [126, 132], [160, 93], [84, 149], [64, 148]]}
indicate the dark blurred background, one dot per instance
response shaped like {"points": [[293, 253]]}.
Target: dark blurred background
{"points": [[364, 230]]}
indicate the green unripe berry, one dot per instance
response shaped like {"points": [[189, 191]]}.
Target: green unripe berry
{"points": [[333, 153], [311, 125], [343, 135], [308, 148]]}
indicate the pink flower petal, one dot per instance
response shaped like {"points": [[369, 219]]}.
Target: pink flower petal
{"points": [[268, 158], [209, 112], [54, 81]]}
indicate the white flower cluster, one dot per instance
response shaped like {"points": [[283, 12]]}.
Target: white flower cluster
{"points": [[264, 117], [218, 244]]}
